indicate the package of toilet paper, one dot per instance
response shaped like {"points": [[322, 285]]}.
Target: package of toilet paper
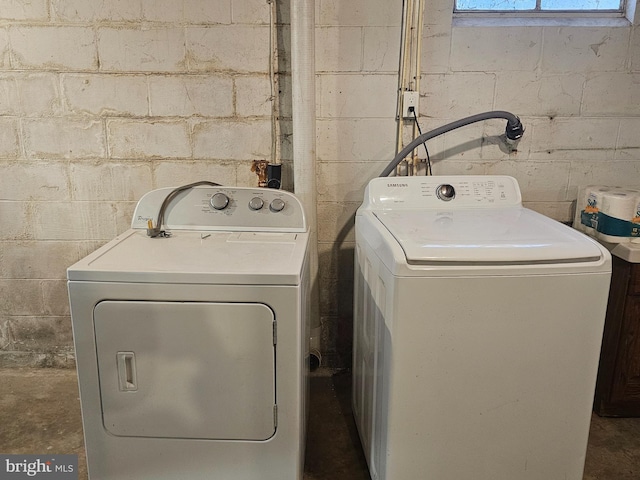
{"points": [[611, 214]]}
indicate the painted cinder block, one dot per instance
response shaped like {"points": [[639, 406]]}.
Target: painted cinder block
{"points": [[248, 11], [9, 139], [100, 94], [232, 140], [165, 11], [612, 94], [63, 138], [5, 58], [357, 139], [338, 49], [365, 13], [17, 218], [29, 94], [55, 297], [39, 94], [220, 48], [137, 139], [616, 173], [35, 10], [579, 50], [104, 10], [123, 213], [40, 180], [9, 98], [253, 96], [182, 172], [336, 221], [159, 49], [42, 334], [449, 96], [21, 297], [560, 211], [574, 138], [34, 259], [197, 11], [481, 49], [539, 181], [187, 95], [345, 181], [72, 220], [356, 95], [527, 93], [381, 49], [53, 48], [628, 143], [436, 48], [105, 181]]}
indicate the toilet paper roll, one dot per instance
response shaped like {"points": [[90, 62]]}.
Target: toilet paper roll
{"points": [[616, 216], [589, 208]]}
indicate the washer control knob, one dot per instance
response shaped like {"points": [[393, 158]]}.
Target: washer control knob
{"points": [[219, 201], [277, 205], [256, 203], [445, 192]]}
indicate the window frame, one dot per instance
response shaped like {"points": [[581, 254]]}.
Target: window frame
{"points": [[539, 13]]}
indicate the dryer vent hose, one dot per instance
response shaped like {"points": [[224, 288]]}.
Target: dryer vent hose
{"points": [[514, 132]]}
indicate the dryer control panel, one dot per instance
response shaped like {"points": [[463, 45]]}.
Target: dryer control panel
{"points": [[223, 208], [452, 192]]}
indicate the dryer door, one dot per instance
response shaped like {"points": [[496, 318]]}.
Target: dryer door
{"points": [[186, 369]]}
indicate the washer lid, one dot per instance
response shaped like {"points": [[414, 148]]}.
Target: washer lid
{"points": [[488, 236]]}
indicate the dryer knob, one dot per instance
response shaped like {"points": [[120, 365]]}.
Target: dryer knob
{"points": [[445, 192], [277, 205], [256, 203], [219, 201]]}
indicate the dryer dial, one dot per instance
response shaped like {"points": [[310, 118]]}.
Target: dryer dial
{"points": [[219, 201], [277, 205], [256, 203]]}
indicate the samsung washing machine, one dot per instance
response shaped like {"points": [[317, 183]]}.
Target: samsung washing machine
{"points": [[477, 332], [192, 347]]}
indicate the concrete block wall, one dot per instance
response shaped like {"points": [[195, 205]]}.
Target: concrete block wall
{"points": [[103, 100], [576, 88], [100, 102]]}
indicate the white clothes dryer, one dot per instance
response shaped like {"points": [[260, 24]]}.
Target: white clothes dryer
{"points": [[477, 331], [192, 349]]}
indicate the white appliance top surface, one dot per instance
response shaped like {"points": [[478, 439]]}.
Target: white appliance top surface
{"points": [[197, 257], [470, 219], [217, 234], [509, 235]]}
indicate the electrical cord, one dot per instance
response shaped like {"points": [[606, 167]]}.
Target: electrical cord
{"points": [[415, 117], [513, 132], [155, 232]]}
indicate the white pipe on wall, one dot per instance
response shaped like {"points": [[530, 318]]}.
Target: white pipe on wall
{"points": [[303, 76]]}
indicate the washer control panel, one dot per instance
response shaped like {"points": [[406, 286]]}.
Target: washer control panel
{"points": [[223, 208], [462, 191]]}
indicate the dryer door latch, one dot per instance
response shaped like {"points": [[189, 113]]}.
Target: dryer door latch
{"points": [[127, 378]]}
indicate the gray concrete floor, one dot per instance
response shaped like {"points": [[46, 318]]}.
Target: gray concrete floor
{"points": [[40, 413]]}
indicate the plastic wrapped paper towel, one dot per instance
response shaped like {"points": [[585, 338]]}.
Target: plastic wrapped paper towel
{"points": [[611, 214]]}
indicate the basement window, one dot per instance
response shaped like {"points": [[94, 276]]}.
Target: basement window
{"points": [[588, 13], [541, 6]]}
